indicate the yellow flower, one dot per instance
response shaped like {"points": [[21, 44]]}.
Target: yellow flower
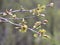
{"points": [[37, 24], [42, 31], [46, 36], [39, 9], [35, 35], [23, 28]]}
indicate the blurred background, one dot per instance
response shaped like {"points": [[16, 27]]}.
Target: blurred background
{"points": [[10, 36]]}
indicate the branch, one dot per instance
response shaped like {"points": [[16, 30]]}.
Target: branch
{"points": [[16, 11], [18, 24]]}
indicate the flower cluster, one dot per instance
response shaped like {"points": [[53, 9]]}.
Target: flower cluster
{"points": [[8, 12], [42, 34], [37, 11], [41, 31], [23, 27]]}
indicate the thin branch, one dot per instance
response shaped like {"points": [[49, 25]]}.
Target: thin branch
{"points": [[23, 10], [16, 11], [9, 21], [18, 24]]}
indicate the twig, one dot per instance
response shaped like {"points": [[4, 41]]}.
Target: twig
{"points": [[16, 11], [18, 24]]}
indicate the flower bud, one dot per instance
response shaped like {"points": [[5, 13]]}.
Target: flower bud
{"points": [[14, 16], [4, 14], [51, 4], [43, 15], [45, 21]]}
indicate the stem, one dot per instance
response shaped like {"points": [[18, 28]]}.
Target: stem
{"points": [[18, 24]]}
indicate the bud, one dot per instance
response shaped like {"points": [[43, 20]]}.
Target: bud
{"points": [[38, 23], [23, 21], [46, 36], [16, 27], [51, 4], [45, 21], [0, 20], [9, 12], [43, 15], [14, 16], [4, 14], [30, 11], [35, 35]]}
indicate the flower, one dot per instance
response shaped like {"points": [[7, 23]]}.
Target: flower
{"points": [[39, 9], [23, 28], [42, 31], [46, 36], [35, 35], [37, 24]]}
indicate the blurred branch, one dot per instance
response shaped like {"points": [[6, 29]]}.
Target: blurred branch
{"points": [[18, 24], [23, 10], [16, 11]]}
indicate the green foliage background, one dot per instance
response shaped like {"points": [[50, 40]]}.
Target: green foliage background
{"points": [[10, 36]]}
